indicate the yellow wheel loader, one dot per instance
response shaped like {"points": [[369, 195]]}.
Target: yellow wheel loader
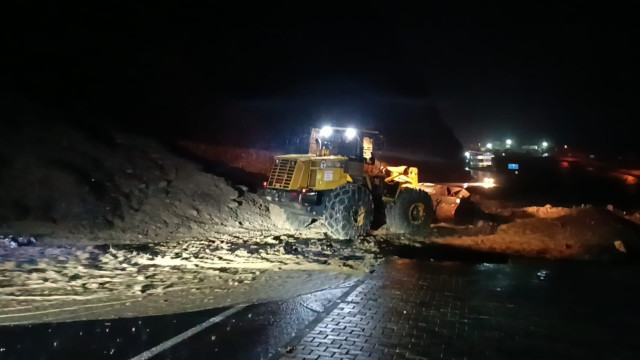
{"points": [[342, 184]]}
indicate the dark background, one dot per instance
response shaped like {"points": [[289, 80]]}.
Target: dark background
{"points": [[566, 73]]}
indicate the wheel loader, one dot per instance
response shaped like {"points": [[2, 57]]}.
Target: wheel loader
{"points": [[340, 183]]}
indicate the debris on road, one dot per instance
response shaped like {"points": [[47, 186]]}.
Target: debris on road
{"points": [[554, 233], [175, 273], [13, 241], [635, 217], [547, 211]]}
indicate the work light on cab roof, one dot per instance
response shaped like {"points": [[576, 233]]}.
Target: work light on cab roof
{"points": [[350, 133], [326, 131]]}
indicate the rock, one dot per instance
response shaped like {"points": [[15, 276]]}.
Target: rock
{"points": [[147, 287], [9, 243], [13, 241], [162, 184], [230, 193], [192, 212], [232, 204], [620, 246]]}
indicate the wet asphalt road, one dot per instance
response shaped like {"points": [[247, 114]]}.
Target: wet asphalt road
{"points": [[549, 307], [255, 332]]}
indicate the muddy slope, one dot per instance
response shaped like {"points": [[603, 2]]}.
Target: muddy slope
{"points": [[90, 183]]}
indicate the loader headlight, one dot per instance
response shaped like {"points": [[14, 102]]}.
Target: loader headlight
{"points": [[326, 131], [350, 133]]}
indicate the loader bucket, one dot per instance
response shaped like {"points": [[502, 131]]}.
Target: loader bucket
{"points": [[445, 212], [451, 203]]}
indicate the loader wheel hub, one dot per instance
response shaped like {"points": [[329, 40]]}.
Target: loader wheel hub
{"points": [[416, 213]]}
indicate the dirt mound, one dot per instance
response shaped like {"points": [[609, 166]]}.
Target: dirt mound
{"points": [[558, 233], [84, 183]]}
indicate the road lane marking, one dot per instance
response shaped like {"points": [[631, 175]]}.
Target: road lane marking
{"points": [[183, 336]]}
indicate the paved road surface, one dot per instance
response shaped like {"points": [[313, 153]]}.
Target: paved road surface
{"points": [[406, 309], [416, 309]]}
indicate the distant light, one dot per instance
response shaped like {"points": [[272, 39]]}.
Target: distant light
{"points": [[565, 146], [466, 154], [509, 141], [488, 182], [350, 133], [326, 131], [545, 144], [489, 146]]}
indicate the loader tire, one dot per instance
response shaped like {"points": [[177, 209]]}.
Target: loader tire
{"points": [[349, 211], [411, 212], [287, 219]]}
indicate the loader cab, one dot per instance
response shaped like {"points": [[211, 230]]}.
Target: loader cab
{"points": [[355, 144]]}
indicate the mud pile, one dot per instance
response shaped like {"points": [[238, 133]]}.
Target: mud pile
{"points": [[556, 232], [72, 183]]}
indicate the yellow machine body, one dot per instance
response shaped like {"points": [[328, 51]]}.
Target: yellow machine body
{"points": [[304, 178], [295, 172]]}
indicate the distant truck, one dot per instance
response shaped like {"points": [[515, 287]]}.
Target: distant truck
{"points": [[478, 159]]}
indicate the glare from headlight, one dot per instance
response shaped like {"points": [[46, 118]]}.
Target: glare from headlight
{"points": [[326, 131], [488, 182], [350, 133]]}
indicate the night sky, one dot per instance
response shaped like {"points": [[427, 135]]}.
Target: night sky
{"points": [[564, 73]]}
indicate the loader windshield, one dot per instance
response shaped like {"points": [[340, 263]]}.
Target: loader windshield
{"points": [[340, 144]]}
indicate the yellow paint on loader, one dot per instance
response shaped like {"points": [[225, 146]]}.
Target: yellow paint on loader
{"points": [[310, 171]]}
